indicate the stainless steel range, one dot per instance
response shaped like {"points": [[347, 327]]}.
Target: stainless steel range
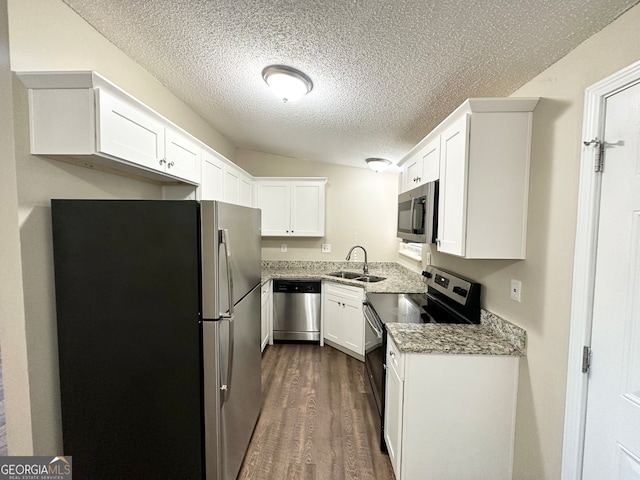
{"points": [[449, 299]]}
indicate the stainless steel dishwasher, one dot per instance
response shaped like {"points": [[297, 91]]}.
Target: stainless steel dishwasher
{"points": [[296, 310]]}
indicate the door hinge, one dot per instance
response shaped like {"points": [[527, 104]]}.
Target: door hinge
{"points": [[586, 359], [599, 146]]}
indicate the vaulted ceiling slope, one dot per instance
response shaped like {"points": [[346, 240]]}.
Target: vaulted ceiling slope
{"points": [[385, 72]]}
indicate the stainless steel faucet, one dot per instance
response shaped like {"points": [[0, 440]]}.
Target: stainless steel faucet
{"points": [[366, 265]]}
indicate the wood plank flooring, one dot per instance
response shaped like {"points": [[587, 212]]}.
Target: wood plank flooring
{"points": [[317, 420]]}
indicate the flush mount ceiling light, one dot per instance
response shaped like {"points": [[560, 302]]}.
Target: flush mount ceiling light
{"points": [[286, 82], [378, 164]]}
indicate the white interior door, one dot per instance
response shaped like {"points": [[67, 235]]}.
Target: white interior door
{"points": [[612, 435]]}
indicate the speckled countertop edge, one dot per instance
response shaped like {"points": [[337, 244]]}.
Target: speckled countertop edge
{"points": [[398, 279], [494, 336]]}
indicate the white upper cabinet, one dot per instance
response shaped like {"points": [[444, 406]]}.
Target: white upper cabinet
{"points": [[182, 156], [453, 191], [212, 186], [421, 167], [291, 206], [81, 114], [127, 131], [482, 151], [222, 180], [237, 186]]}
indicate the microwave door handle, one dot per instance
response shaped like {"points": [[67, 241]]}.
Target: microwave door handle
{"points": [[229, 317], [413, 214]]}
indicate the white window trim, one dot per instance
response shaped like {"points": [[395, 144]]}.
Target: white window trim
{"points": [[410, 252]]}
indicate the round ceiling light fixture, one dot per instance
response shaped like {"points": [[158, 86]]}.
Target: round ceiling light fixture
{"points": [[378, 164], [287, 83]]}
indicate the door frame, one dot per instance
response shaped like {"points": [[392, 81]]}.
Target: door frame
{"points": [[584, 270]]}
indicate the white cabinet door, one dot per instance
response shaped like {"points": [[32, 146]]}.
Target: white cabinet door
{"points": [[353, 326], [422, 167], [343, 317], [127, 132], [212, 177], [291, 207], [231, 185], [332, 318], [182, 156], [411, 173], [274, 198], [245, 190], [453, 188], [307, 209], [430, 155], [393, 418]]}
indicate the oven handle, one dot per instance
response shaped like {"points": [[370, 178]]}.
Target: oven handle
{"points": [[368, 315]]}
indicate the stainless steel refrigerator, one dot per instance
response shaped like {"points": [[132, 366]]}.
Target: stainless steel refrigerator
{"points": [[158, 317]]}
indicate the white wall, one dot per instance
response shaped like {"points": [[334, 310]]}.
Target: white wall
{"points": [[360, 209], [546, 274], [13, 345]]}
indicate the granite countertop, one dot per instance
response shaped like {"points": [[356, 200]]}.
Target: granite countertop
{"points": [[493, 336], [398, 279]]}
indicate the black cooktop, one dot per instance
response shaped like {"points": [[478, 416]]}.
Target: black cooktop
{"points": [[449, 299]]}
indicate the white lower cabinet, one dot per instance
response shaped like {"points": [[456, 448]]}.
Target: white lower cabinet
{"points": [[393, 416], [266, 315], [449, 417], [343, 318]]}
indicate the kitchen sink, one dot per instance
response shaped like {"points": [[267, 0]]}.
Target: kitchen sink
{"points": [[349, 275], [369, 278], [357, 276]]}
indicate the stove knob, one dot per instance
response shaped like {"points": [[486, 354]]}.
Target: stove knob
{"points": [[460, 291]]}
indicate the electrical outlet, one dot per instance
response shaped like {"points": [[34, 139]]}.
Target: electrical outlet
{"points": [[428, 258], [283, 248], [516, 290], [326, 248]]}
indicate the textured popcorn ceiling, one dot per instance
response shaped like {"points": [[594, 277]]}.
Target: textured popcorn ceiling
{"points": [[385, 72]]}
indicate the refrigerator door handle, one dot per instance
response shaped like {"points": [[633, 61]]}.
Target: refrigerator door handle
{"points": [[225, 384], [224, 240]]}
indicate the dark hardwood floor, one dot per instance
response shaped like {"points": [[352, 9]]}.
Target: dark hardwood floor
{"points": [[318, 419]]}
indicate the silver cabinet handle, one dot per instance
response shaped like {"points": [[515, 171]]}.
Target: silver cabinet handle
{"points": [[392, 354], [170, 164], [162, 161]]}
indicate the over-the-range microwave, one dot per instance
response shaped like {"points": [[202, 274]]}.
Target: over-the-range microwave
{"points": [[418, 214]]}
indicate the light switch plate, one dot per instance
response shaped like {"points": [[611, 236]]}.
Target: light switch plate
{"points": [[516, 290], [326, 248]]}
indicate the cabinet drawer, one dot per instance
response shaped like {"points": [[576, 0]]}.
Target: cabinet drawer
{"points": [[345, 291], [394, 358]]}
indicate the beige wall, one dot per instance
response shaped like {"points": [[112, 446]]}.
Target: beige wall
{"points": [[47, 35], [360, 209], [13, 345], [546, 274]]}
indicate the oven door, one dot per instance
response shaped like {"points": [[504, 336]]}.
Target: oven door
{"points": [[375, 354]]}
